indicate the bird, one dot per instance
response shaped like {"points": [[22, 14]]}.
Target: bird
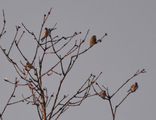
{"points": [[134, 87], [46, 34], [28, 66], [102, 94], [93, 40]]}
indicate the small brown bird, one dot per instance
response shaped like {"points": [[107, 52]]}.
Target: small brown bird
{"points": [[134, 87], [28, 66], [46, 34], [93, 40], [102, 94]]}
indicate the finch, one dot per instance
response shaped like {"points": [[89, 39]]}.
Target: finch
{"points": [[46, 34], [93, 40], [102, 94], [28, 66], [134, 87]]}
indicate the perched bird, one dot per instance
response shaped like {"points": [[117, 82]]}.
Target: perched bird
{"points": [[46, 34], [134, 87], [102, 94], [28, 66], [93, 40]]}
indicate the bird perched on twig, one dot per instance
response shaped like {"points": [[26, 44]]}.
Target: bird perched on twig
{"points": [[103, 94], [134, 87], [28, 66], [46, 34], [93, 40]]}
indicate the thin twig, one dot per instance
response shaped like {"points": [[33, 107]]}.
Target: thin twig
{"points": [[12, 95], [4, 21], [137, 73]]}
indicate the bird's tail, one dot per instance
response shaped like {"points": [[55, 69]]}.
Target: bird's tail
{"points": [[42, 39]]}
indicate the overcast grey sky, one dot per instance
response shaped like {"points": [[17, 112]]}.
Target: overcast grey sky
{"points": [[129, 46]]}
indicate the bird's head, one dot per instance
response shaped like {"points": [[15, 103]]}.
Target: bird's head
{"points": [[94, 36], [136, 84]]}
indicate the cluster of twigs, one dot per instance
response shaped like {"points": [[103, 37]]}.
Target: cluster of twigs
{"points": [[39, 94], [109, 97]]}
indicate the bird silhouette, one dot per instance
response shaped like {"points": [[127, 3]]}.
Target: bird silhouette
{"points": [[134, 87], [46, 34], [93, 40], [103, 94], [28, 66]]}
